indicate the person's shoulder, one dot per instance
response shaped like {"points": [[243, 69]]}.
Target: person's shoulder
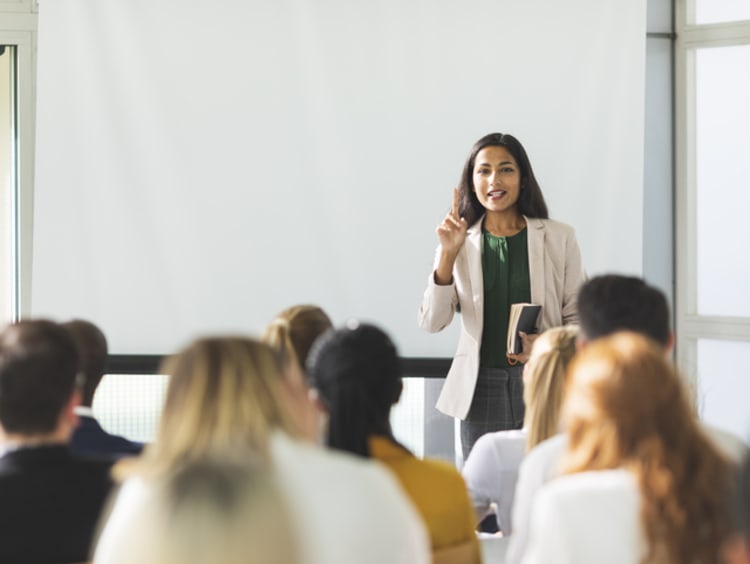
{"points": [[551, 225], [591, 494], [511, 436], [8, 464], [100, 468], [592, 480], [94, 464], [591, 498], [549, 448], [498, 443], [544, 459], [332, 485], [128, 504], [92, 475], [131, 492], [440, 470], [90, 439], [292, 456]]}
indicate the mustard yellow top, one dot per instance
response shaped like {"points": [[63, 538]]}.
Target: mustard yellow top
{"points": [[437, 490]]}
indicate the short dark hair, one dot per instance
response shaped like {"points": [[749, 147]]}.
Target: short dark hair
{"points": [[357, 373], [38, 367], [531, 200], [92, 353], [611, 303]]}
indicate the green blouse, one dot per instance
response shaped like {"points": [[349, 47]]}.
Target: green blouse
{"points": [[505, 269]]}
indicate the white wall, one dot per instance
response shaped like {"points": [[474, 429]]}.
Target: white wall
{"points": [[202, 176]]}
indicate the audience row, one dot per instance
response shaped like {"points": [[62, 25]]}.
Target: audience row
{"points": [[280, 450]]}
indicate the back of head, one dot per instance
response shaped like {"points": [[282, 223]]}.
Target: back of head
{"points": [[38, 367], [626, 407], [622, 392], [225, 394], [209, 511], [611, 303], [294, 331], [92, 348], [357, 373], [544, 382]]}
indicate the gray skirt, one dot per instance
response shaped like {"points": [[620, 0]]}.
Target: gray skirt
{"points": [[497, 404]]}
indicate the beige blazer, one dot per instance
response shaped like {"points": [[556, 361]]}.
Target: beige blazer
{"points": [[555, 271]]}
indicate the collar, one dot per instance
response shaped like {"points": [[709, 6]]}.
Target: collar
{"points": [[84, 411], [16, 449]]}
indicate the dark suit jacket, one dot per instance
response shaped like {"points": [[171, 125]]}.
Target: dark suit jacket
{"points": [[50, 503], [89, 439]]}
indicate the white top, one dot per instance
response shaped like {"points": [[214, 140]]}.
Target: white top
{"points": [[343, 509], [542, 464], [538, 468], [491, 472], [587, 518]]}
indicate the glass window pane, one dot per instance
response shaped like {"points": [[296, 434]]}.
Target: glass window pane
{"points": [[723, 180], [724, 385], [407, 416], [716, 11], [130, 404], [7, 55]]}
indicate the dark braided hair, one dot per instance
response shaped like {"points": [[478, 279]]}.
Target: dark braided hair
{"points": [[357, 373]]}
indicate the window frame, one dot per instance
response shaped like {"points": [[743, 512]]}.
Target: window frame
{"points": [[19, 30], [690, 326]]}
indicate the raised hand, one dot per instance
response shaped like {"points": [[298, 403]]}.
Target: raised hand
{"points": [[452, 230], [451, 233]]}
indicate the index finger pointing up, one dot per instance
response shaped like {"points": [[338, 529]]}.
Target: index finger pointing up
{"points": [[454, 211]]}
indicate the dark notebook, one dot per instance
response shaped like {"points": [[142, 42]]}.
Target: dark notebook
{"points": [[522, 318]]}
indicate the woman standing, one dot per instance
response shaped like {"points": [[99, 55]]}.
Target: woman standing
{"points": [[497, 247]]}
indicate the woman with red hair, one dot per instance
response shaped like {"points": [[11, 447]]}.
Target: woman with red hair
{"points": [[643, 483]]}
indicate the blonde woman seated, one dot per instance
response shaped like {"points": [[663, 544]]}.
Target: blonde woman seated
{"points": [[225, 396], [293, 333], [491, 470], [357, 373], [211, 511], [642, 483]]}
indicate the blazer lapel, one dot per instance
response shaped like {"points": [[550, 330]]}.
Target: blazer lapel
{"points": [[536, 234]]}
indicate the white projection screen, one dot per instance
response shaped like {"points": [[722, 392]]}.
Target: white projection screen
{"points": [[202, 165]]}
